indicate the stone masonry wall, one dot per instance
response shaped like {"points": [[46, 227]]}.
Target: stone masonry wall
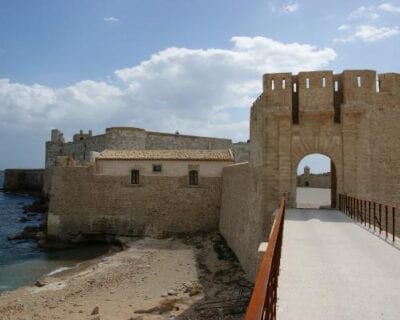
{"points": [[23, 180], [158, 140], [242, 220], [82, 202]]}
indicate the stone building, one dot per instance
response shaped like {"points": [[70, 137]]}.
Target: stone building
{"points": [[119, 138], [137, 192], [352, 118], [314, 180]]}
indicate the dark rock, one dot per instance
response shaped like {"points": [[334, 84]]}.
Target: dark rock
{"points": [[40, 206], [30, 231], [95, 310], [24, 219], [40, 283], [31, 214], [40, 235], [15, 237], [41, 243]]}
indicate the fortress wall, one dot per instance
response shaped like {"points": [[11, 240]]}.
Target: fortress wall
{"points": [[314, 181], [86, 203], [157, 140], [134, 138], [318, 96], [241, 151], [243, 219], [53, 150], [24, 180], [125, 138], [385, 143]]}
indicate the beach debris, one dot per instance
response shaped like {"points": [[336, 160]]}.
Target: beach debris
{"points": [[193, 288], [40, 283], [95, 310], [165, 305], [172, 292]]}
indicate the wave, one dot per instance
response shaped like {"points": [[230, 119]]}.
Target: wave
{"points": [[58, 270]]}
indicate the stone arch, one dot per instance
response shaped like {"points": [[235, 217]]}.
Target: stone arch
{"points": [[327, 146]]}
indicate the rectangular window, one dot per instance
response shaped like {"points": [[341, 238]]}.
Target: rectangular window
{"points": [[193, 177], [157, 167], [359, 81], [135, 177]]}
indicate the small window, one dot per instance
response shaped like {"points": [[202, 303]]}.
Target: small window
{"points": [[294, 87], [272, 84], [336, 86], [193, 177], [157, 167], [307, 83], [323, 82], [359, 81], [135, 177], [283, 84]]}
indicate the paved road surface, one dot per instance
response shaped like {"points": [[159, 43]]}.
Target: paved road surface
{"points": [[333, 269]]}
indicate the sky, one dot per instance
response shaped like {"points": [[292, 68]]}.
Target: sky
{"points": [[169, 65]]}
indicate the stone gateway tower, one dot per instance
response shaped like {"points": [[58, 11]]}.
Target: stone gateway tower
{"points": [[352, 117]]}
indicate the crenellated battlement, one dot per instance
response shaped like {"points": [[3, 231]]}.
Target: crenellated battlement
{"points": [[326, 92]]}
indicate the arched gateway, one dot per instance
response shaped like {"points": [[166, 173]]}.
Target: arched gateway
{"points": [[352, 117]]}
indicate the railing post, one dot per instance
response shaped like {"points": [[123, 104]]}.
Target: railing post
{"points": [[380, 218], [369, 214], [374, 214], [386, 220], [394, 224], [365, 212]]}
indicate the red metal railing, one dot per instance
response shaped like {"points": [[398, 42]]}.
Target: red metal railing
{"points": [[263, 299], [376, 215]]}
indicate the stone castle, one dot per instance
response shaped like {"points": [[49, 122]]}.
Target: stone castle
{"points": [[133, 138], [129, 181]]}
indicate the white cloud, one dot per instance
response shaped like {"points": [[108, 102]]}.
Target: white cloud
{"points": [[364, 12], [194, 91], [388, 7], [370, 33], [111, 19], [343, 27], [291, 7]]}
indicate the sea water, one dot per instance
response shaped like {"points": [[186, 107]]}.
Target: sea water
{"points": [[21, 261]]}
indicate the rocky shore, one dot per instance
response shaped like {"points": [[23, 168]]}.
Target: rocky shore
{"points": [[191, 278]]}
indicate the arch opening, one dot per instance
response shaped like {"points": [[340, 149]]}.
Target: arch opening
{"points": [[316, 182]]}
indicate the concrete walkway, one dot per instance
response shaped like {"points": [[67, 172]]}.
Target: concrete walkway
{"points": [[333, 269]]}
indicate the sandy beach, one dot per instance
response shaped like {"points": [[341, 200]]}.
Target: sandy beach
{"points": [[192, 278]]}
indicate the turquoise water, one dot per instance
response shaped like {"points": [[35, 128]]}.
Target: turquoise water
{"points": [[21, 261]]}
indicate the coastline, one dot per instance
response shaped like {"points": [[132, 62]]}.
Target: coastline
{"points": [[150, 279]]}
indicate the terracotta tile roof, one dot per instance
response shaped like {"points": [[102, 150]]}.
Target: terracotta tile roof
{"points": [[205, 155]]}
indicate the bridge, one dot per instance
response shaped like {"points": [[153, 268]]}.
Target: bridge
{"points": [[333, 265]]}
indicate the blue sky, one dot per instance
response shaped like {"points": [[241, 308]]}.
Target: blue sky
{"points": [[192, 66]]}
